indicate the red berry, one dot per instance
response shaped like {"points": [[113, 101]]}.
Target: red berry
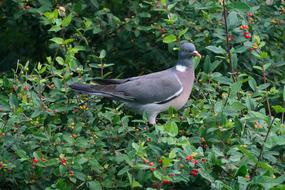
{"points": [[195, 162], [194, 172], [145, 161], [150, 164], [63, 161], [166, 182], [48, 110], [160, 161], [173, 174], [243, 27], [35, 160], [152, 169], [189, 158], [26, 87], [247, 36], [250, 14]]}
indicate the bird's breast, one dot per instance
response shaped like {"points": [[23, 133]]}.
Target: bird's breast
{"points": [[187, 79]]}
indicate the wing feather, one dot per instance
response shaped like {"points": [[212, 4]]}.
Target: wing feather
{"points": [[153, 88]]}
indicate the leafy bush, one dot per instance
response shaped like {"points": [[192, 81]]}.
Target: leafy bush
{"points": [[231, 134]]}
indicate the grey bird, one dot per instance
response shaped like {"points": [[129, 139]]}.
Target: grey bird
{"points": [[152, 93]]}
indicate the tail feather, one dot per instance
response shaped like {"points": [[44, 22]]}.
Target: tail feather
{"points": [[100, 90]]}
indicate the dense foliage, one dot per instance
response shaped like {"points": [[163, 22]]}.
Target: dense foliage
{"points": [[231, 134]]}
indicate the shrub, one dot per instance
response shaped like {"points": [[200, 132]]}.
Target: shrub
{"points": [[229, 136]]}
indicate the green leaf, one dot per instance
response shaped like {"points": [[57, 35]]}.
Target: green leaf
{"points": [[242, 171], [144, 15], [214, 65], [265, 166], [169, 38], [233, 19], [217, 50], [239, 6], [268, 182], [52, 162], [258, 115], [95, 165], [252, 83], [124, 170], [133, 182], [94, 185], [136, 184], [172, 154], [57, 40], [207, 64], [22, 154], [266, 66], [182, 32], [59, 60], [235, 88], [234, 60], [166, 162], [102, 54], [171, 6], [157, 174], [275, 141], [67, 138], [163, 2], [257, 67], [62, 185], [278, 109], [66, 21], [171, 129], [248, 154]]}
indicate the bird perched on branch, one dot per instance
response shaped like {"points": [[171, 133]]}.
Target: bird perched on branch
{"points": [[152, 93]]}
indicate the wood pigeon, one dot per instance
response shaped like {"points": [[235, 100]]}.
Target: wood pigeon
{"points": [[152, 93]]}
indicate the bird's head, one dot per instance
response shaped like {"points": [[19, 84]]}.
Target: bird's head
{"points": [[187, 50]]}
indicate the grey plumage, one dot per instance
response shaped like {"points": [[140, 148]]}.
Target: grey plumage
{"points": [[152, 93]]}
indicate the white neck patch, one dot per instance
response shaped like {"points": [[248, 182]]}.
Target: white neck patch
{"points": [[181, 68]]}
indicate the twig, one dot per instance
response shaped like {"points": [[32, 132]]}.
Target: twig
{"points": [[233, 74], [267, 99], [262, 148]]}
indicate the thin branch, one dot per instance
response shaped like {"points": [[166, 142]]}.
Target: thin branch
{"points": [[262, 148], [228, 49]]}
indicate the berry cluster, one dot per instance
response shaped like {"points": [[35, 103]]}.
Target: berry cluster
{"points": [[245, 28], [245, 33], [190, 161]]}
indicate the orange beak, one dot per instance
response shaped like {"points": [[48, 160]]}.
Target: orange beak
{"points": [[196, 53]]}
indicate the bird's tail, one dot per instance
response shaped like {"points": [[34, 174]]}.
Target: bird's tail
{"points": [[100, 90]]}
